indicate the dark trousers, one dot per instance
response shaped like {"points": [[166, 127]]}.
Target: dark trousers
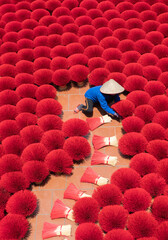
{"points": [[88, 109]]}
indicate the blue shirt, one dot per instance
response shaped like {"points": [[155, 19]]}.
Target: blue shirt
{"points": [[96, 96]]}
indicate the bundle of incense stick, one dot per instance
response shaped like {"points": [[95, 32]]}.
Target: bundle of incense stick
{"points": [[60, 210], [53, 230], [94, 123], [101, 158], [91, 176], [99, 141], [72, 192]]}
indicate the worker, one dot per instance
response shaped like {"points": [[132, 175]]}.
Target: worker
{"points": [[103, 94]]}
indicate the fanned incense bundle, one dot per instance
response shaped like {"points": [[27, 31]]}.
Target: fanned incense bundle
{"points": [[101, 158], [99, 142], [53, 230], [60, 210], [72, 192], [92, 177], [93, 123]]}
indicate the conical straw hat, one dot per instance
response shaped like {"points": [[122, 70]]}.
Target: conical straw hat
{"points": [[111, 87]]}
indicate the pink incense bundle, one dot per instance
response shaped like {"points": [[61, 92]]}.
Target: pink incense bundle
{"points": [[92, 177], [93, 123], [60, 210], [53, 230], [99, 141], [101, 158], [72, 192]]}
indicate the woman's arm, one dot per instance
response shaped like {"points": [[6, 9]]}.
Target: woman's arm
{"points": [[104, 105]]}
